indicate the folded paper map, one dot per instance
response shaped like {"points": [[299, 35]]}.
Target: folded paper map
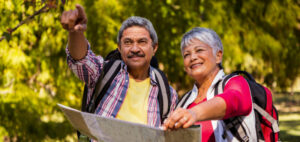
{"points": [[114, 130]]}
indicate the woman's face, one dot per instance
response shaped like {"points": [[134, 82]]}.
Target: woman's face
{"points": [[199, 61]]}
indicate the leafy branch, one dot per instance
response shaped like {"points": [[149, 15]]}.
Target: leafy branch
{"points": [[50, 4]]}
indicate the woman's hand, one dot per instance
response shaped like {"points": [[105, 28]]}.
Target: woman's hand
{"points": [[180, 118]]}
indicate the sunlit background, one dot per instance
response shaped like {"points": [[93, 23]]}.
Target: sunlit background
{"points": [[261, 37]]}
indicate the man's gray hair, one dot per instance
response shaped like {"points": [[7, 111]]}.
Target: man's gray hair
{"points": [[205, 35], [138, 21]]}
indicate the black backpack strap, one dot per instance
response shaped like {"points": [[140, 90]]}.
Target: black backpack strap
{"points": [[226, 79], [183, 99], [220, 85], [232, 124], [109, 72], [246, 74], [83, 105], [236, 128], [84, 99], [164, 94]]}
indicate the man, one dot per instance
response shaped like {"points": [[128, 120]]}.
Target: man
{"points": [[132, 96]]}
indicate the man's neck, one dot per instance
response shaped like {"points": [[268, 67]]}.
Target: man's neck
{"points": [[139, 74]]}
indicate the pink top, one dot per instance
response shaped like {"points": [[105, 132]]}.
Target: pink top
{"points": [[238, 103], [207, 129]]}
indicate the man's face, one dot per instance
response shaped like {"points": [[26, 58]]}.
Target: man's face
{"points": [[136, 48]]}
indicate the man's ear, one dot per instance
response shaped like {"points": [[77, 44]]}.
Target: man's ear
{"points": [[155, 47], [119, 48], [219, 56]]}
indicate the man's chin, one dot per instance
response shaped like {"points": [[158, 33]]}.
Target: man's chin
{"points": [[136, 65], [135, 59]]}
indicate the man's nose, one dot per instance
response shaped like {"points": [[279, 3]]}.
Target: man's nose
{"points": [[135, 47]]}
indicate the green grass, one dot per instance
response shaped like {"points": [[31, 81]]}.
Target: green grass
{"points": [[289, 116]]}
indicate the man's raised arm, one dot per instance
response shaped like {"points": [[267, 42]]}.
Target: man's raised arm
{"points": [[75, 22]]}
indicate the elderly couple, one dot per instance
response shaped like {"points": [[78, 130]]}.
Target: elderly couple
{"points": [[132, 96]]}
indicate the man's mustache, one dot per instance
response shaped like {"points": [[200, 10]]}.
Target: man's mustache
{"points": [[132, 54]]}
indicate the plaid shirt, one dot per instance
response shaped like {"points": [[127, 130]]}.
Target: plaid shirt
{"points": [[88, 70]]}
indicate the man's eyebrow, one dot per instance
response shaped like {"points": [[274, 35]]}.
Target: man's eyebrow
{"points": [[127, 38], [143, 38]]}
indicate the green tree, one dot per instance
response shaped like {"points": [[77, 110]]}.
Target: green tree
{"points": [[261, 37], [34, 75]]}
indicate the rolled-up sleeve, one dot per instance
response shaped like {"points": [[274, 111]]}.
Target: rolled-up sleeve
{"points": [[87, 69], [237, 97]]}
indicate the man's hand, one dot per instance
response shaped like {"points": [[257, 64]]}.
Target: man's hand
{"points": [[74, 20]]}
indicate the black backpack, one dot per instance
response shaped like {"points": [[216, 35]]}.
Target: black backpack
{"points": [[266, 115], [110, 70]]}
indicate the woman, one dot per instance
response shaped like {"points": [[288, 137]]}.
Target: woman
{"points": [[202, 53]]}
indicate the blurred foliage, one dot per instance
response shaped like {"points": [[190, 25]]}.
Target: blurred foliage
{"points": [[261, 37], [288, 107]]}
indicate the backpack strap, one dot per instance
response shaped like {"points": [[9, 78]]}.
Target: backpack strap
{"points": [[259, 109], [232, 124], [110, 70], [248, 75], [84, 99], [164, 94], [235, 126], [274, 122], [220, 85], [184, 99], [83, 107]]}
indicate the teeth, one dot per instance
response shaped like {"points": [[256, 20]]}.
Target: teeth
{"points": [[195, 65]]}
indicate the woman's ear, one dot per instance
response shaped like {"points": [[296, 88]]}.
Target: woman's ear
{"points": [[219, 56]]}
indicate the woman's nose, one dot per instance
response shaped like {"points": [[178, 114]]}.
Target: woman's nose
{"points": [[193, 56]]}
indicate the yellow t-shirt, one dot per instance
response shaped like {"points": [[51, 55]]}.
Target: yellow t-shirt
{"points": [[135, 105]]}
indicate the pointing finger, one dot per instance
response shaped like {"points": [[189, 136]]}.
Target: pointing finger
{"points": [[81, 14]]}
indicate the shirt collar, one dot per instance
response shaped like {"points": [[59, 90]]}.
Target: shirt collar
{"points": [[194, 91], [151, 73]]}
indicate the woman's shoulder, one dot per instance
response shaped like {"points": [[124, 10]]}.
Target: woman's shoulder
{"points": [[237, 81]]}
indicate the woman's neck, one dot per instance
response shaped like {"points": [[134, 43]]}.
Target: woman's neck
{"points": [[204, 84]]}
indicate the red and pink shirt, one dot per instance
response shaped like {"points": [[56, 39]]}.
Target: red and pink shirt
{"points": [[238, 101]]}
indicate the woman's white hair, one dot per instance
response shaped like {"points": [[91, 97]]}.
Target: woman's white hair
{"points": [[206, 36]]}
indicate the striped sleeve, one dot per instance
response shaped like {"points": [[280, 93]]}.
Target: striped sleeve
{"points": [[174, 99], [87, 69]]}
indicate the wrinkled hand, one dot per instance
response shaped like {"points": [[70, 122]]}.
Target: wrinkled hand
{"points": [[180, 118], [74, 20]]}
